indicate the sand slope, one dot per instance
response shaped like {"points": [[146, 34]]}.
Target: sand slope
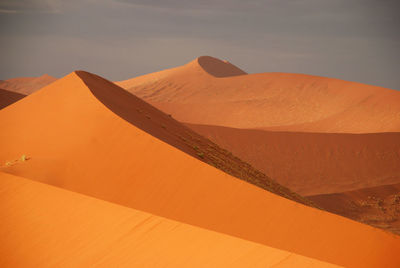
{"points": [[8, 97], [72, 140], [27, 85], [378, 206], [308, 163], [44, 226], [94, 91], [278, 101], [327, 164], [314, 163]]}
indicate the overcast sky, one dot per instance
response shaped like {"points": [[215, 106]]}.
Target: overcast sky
{"points": [[356, 40]]}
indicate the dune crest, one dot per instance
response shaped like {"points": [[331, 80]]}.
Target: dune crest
{"points": [[75, 142], [315, 135], [218, 68], [205, 67], [27, 85], [275, 101], [164, 127]]}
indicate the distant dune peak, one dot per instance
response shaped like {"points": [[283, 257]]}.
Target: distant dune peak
{"points": [[217, 67], [27, 85], [47, 76]]}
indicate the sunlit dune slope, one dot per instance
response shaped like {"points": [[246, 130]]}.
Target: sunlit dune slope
{"points": [[45, 226], [72, 140], [8, 97], [314, 163], [378, 206], [280, 101], [27, 85], [205, 67], [93, 91]]}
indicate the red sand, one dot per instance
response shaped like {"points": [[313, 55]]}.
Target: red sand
{"points": [[314, 163], [162, 126], [377, 206], [27, 85], [45, 226], [8, 97], [73, 141], [309, 163], [278, 101]]}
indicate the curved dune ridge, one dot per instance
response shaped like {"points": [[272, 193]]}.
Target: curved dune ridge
{"points": [[293, 127], [72, 140], [90, 232], [314, 163], [276, 101], [8, 97], [205, 66], [27, 85], [218, 68], [165, 128]]}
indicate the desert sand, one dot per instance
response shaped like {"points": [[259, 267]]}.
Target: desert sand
{"points": [[378, 206], [75, 139], [45, 226], [8, 97], [314, 163], [275, 101], [314, 135], [27, 85], [137, 112]]}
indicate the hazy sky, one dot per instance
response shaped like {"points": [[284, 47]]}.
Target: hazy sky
{"points": [[357, 40]]}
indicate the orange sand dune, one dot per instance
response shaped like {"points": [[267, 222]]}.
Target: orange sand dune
{"points": [[8, 97], [160, 125], [27, 85], [45, 226], [203, 67], [314, 163], [295, 102], [378, 206], [72, 140]]}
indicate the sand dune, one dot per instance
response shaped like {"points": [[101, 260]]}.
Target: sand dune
{"points": [[73, 140], [204, 67], [44, 226], [314, 163], [218, 68], [277, 101], [8, 97], [140, 114], [378, 206], [27, 85]]}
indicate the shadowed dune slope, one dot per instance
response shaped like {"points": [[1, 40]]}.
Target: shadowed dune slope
{"points": [[72, 140], [8, 97], [27, 85], [88, 232], [218, 68], [204, 67], [280, 101], [314, 163], [158, 124], [378, 206]]}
